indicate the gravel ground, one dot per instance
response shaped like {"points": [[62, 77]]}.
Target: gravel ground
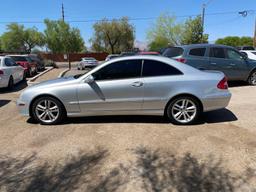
{"points": [[130, 153]]}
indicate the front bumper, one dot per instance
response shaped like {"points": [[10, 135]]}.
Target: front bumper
{"points": [[23, 107]]}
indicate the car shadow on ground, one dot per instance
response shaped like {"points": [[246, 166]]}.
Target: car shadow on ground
{"points": [[237, 84], [218, 116], [18, 87], [4, 102]]}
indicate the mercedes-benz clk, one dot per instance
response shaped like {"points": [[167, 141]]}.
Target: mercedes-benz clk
{"points": [[135, 85]]}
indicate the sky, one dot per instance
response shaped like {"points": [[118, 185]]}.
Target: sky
{"points": [[221, 19]]}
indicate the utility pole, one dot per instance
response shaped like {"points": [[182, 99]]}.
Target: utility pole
{"points": [[203, 15], [63, 12], [254, 39]]}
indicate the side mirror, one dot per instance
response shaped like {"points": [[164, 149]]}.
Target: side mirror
{"points": [[89, 79], [244, 55]]}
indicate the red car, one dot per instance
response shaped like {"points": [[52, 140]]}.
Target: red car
{"points": [[148, 53], [24, 61]]}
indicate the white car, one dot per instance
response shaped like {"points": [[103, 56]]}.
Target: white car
{"points": [[250, 54], [10, 72], [87, 62]]}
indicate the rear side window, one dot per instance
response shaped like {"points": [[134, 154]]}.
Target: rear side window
{"points": [[217, 52], [173, 52], [19, 58], [9, 62], [153, 68], [119, 70], [254, 53], [197, 52]]}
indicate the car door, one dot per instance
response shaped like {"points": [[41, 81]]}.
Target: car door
{"points": [[117, 87], [196, 57], [159, 79], [237, 65], [219, 61]]}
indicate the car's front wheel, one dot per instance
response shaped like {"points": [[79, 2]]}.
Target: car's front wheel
{"points": [[48, 110], [184, 110], [252, 78]]}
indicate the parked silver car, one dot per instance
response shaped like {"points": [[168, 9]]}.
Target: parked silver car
{"points": [[135, 85], [87, 62], [10, 72]]}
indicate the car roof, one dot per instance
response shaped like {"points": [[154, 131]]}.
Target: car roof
{"points": [[17, 55], [202, 45]]}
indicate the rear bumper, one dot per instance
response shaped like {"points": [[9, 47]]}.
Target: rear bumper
{"points": [[215, 102], [4, 80]]}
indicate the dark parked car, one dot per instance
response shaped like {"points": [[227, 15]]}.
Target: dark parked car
{"points": [[38, 60], [235, 65]]}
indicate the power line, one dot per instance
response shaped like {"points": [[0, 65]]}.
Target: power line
{"points": [[131, 19]]}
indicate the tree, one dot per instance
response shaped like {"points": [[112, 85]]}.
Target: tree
{"points": [[193, 32], [61, 38], [165, 32], [235, 41], [19, 39], [113, 36]]}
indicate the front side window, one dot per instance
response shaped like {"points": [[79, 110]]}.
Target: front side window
{"points": [[217, 52], [197, 52], [234, 55], [153, 68], [119, 70]]}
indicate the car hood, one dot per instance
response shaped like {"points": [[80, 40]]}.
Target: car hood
{"points": [[54, 82]]}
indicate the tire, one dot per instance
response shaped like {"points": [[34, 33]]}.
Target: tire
{"points": [[24, 76], [252, 78], [10, 83], [48, 114], [184, 110]]}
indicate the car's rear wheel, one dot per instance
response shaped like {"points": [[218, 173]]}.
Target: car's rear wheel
{"points": [[252, 78], [10, 83], [184, 110], [48, 110]]}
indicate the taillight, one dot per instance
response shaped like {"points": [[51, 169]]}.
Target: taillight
{"points": [[182, 60], [1, 72], [223, 84]]}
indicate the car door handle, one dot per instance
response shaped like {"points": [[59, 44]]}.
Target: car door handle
{"points": [[232, 64], [213, 63], [137, 84]]}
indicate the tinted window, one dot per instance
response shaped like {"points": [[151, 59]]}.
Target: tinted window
{"points": [[248, 48], [119, 70], [232, 54], [254, 53], [173, 52], [9, 62], [153, 68], [197, 52], [217, 52]]}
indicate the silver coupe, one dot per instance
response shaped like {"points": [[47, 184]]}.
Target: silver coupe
{"points": [[134, 85]]}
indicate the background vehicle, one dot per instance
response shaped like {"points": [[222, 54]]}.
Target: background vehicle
{"points": [[109, 57], [137, 85], [38, 60], [249, 54], [215, 57], [125, 54], [24, 61], [87, 62], [10, 72], [245, 48], [148, 53]]}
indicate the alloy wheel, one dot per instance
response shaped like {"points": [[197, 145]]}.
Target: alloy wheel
{"points": [[47, 111], [184, 110]]}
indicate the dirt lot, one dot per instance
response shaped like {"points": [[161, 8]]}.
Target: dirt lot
{"points": [[130, 153]]}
